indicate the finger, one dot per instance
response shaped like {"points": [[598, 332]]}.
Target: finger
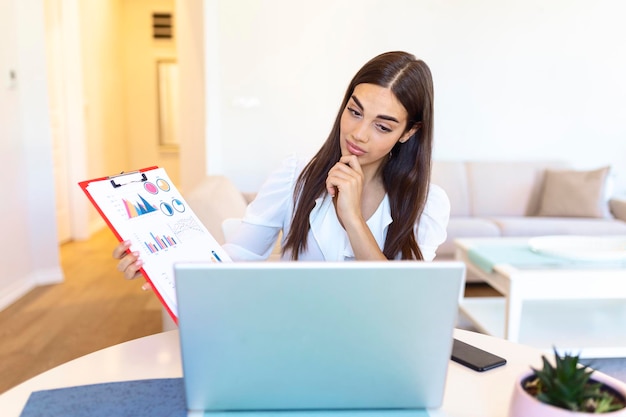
{"points": [[146, 286], [339, 177], [344, 170], [334, 177], [349, 166], [127, 260], [344, 178], [330, 188], [134, 271], [352, 161], [130, 266], [120, 250]]}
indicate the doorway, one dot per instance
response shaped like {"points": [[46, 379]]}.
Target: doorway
{"points": [[103, 99], [57, 89]]}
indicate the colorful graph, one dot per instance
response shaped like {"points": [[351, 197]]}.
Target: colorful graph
{"points": [[162, 184], [185, 225], [139, 208], [167, 209], [150, 187], [159, 243], [178, 205]]}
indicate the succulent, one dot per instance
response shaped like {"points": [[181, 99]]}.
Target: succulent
{"points": [[568, 385]]}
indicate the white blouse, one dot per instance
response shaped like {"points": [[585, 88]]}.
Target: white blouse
{"points": [[271, 212]]}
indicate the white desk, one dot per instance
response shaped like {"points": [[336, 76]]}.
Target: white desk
{"points": [[468, 393], [547, 306]]}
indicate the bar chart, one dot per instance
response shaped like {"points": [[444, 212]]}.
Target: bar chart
{"points": [[159, 242]]}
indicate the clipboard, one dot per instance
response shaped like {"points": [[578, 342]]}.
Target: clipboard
{"points": [[146, 208]]}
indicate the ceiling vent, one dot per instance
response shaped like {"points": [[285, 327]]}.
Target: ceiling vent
{"points": [[162, 26]]}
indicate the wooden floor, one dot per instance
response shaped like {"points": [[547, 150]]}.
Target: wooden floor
{"points": [[92, 309]]}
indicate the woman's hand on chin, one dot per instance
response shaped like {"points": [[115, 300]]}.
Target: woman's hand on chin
{"points": [[345, 183]]}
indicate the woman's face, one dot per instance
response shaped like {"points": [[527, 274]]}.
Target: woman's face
{"points": [[372, 122]]}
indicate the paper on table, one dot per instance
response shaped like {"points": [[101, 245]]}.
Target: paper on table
{"points": [[146, 208], [487, 256]]}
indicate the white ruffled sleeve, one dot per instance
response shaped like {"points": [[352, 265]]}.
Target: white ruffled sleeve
{"points": [[433, 223], [266, 216]]}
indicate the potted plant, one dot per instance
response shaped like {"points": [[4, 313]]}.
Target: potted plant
{"points": [[566, 389]]}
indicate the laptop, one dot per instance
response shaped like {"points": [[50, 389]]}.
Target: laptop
{"points": [[316, 335]]}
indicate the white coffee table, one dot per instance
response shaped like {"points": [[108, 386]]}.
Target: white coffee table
{"points": [[574, 308]]}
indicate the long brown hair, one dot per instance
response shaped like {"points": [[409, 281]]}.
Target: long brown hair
{"points": [[406, 174]]}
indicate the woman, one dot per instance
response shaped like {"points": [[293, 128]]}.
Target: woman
{"points": [[366, 194]]}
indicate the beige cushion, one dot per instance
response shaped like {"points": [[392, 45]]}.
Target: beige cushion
{"points": [[573, 193]]}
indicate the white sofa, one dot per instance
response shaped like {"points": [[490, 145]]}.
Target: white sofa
{"points": [[487, 199], [526, 198]]}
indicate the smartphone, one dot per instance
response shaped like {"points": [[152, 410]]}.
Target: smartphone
{"points": [[475, 358]]}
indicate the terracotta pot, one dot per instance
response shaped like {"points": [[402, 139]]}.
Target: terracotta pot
{"points": [[525, 405]]}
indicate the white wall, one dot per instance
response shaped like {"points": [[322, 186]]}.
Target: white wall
{"points": [[513, 80], [28, 250]]}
